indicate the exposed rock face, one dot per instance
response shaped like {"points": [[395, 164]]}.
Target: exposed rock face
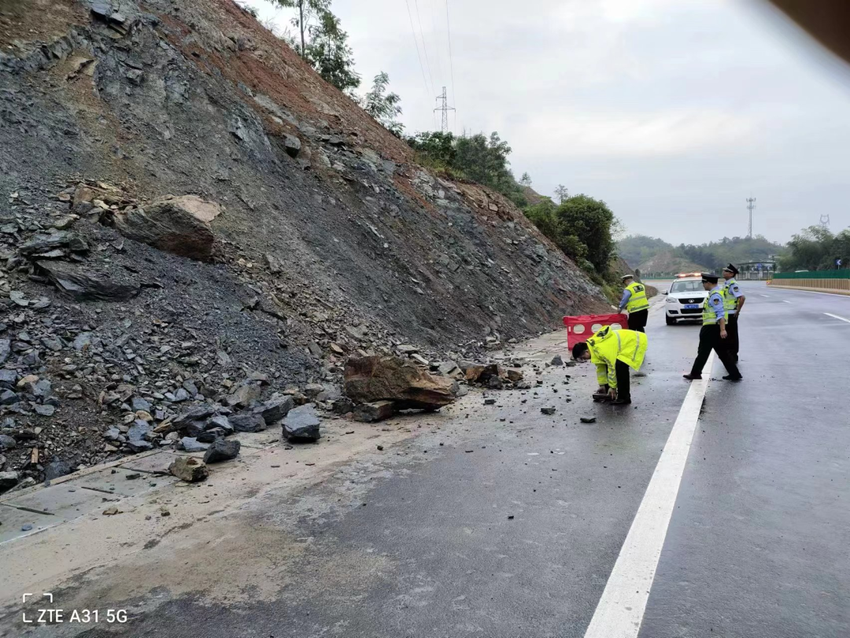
{"points": [[316, 258], [392, 379], [180, 225]]}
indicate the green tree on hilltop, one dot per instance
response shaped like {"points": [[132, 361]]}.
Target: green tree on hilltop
{"points": [[383, 106]]}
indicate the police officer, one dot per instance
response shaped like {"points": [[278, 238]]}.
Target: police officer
{"points": [[733, 300], [634, 300], [613, 352], [713, 334]]}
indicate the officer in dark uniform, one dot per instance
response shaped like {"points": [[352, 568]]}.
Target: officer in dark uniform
{"points": [[713, 334], [734, 300]]}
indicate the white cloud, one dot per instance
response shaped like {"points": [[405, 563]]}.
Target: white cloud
{"points": [[625, 134]]}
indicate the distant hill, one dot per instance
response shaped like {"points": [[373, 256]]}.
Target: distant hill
{"points": [[667, 263], [655, 255], [638, 249]]}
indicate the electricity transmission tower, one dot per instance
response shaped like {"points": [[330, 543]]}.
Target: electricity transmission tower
{"points": [[824, 221], [751, 204], [444, 108]]}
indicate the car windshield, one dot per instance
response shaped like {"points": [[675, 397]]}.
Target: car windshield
{"points": [[692, 285]]}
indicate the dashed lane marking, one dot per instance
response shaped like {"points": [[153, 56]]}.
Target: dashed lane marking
{"points": [[619, 613], [768, 296], [829, 314], [785, 301]]}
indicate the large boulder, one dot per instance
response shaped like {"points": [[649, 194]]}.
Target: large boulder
{"points": [[82, 284], [302, 425], [379, 378], [179, 225]]}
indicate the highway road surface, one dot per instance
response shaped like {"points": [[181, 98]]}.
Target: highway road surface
{"points": [[710, 509]]}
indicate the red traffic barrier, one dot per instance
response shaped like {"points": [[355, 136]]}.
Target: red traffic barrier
{"points": [[580, 329]]}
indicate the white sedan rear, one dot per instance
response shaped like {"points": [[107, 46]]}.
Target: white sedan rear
{"points": [[684, 300]]}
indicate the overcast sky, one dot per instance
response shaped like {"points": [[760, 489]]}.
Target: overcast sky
{"points": [[672, 111]]}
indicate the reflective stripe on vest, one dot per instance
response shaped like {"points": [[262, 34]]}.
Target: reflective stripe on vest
{"points": [[730, 303], [709, 318], [637, 301]]}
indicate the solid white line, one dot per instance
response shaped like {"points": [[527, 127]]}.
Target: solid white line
{"points": [[829, 314], [619, 613]]}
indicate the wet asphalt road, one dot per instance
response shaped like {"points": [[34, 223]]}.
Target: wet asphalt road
{"points": [[512, 529], [759, 544]]}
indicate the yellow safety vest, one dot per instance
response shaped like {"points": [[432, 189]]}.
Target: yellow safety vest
{"points": [[730, 302], [637, 301], [709, 317], [609, 346]]}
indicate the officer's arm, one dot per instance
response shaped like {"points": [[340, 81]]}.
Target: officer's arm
{"points": [[612, 374], [626, 294], [720, 313], [601, 374], [741, 301]]}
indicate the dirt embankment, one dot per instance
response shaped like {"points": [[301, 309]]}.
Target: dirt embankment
{"points": [[330, 240]]}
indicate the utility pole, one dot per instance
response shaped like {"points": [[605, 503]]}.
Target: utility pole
{"points": [[444, 108], [824, 221], [751, 204]]}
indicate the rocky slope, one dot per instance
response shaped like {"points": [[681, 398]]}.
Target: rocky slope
{"points": [[327, 239]]}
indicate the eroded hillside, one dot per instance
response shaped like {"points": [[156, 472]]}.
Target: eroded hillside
{"points": [[330, 239]]}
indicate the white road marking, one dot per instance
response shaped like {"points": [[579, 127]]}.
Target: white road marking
{"points": [[619, 613], [785, 301], [829, 314], [768, 296]]}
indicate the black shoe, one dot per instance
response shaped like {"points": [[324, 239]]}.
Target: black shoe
{"points": [[692, 377], [621, 402], [729, 377]]}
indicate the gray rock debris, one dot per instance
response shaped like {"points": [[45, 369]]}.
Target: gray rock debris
{"points": [[222, 450], [302, 425]]}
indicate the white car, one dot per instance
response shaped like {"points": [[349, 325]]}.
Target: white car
{"points": [[684, 300]]}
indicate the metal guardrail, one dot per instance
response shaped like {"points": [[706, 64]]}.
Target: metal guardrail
{"points": [[825, 285], [814, 274]]}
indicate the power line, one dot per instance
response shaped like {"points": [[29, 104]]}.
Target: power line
{"points": [[437, 39], [451, 59], [416, 42], [424, 44]]}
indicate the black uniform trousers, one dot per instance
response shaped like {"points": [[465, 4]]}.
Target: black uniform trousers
{"points": [[709, 339], [637, 320], [624, 387], [732, 343]]}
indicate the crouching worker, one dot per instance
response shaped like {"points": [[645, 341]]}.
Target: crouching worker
{"points": [[613, 352]]}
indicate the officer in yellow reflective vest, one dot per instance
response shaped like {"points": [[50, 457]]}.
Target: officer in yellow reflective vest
{"points": [[733, 300], [634, 300], [713, 334], [614, 352]]}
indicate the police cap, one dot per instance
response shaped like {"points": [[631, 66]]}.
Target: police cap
{"points": [[731, 268], [628, 277], [708, 277]]}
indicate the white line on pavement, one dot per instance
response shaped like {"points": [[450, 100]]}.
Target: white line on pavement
{"points": [[829, 314], [768, 296], [619, 613], [785, 301]]}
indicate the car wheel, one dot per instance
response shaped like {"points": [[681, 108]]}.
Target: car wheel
{"points": [[670, 321]]}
